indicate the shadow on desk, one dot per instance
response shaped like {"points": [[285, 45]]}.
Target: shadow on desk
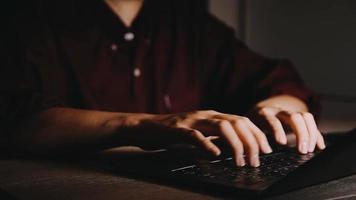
{"points": [[86, 177], [6, 196]]}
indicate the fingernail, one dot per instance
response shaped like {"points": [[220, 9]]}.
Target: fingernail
{"points": [[269, 150], [323, 146], [240, 161], [255, 161], [283, 140], [303, 148], [217, 152], [311, 148]]}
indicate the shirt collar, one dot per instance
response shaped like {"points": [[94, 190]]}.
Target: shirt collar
{"points": [[114, 26]]}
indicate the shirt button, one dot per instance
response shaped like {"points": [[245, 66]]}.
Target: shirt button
{"points": [[137, 72], [129, 36], [114, 47]]}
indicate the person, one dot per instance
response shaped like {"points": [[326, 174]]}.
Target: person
{"points": [[87, 75]]}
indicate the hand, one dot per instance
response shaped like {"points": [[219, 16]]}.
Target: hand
{"points": [[201, 128], [301, 123]]}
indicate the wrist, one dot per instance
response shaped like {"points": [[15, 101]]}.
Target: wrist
{"points": [[123, 128], [283, 102], [123, 121]]}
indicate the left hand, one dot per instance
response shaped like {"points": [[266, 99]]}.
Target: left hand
{"points": [[301, 123]]}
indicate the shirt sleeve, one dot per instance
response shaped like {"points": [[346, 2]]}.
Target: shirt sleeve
{"points": [[239, 78], [22, 94]]}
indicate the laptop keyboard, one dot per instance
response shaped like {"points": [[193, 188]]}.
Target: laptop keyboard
{"points": [[273, 166]]}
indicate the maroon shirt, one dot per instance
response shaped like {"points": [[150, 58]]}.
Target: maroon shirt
{"points": [[176, 57]]}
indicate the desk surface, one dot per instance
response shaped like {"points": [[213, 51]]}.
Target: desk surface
{"points": [[38, 179], [45, 180]]}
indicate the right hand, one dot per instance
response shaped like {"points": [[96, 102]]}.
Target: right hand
{"points": [[199, 128]]}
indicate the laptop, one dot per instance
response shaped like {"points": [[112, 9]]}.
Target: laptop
{"points": [[282, 171]]}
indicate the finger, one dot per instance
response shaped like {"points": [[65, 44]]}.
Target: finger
{"points": [[297, 123], [233, 140], [213, 137], [320, 143], [276, 125], [256, 132], [249, 140], [278, 130], [260, 137], [204, 142], [312, 129]]}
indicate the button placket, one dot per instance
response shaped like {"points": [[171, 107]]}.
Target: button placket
{"points": [[137, 74]]}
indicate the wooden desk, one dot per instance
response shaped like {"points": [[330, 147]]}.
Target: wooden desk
{"points": [[52, 180]]}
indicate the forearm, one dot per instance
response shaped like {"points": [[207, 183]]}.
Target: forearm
{"points": [[64, 129]]}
